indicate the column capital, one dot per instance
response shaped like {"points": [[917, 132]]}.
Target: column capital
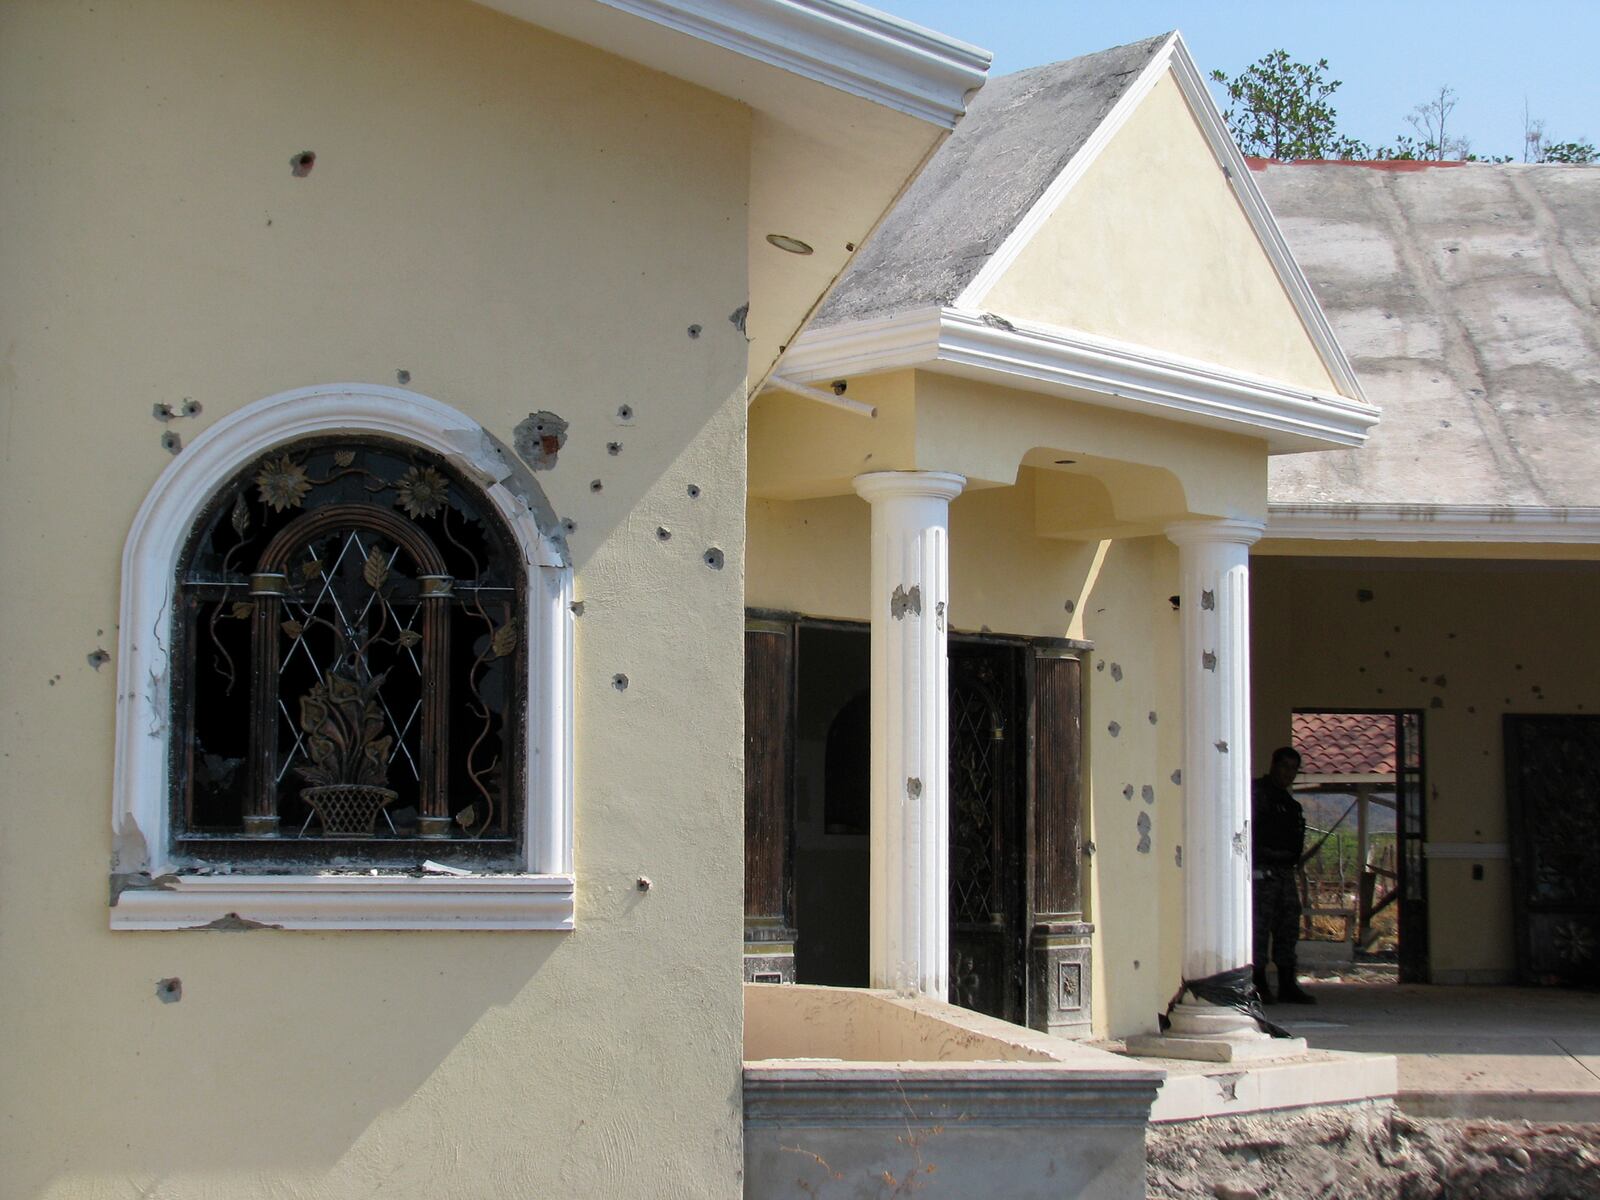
{"points": [[1228, 530], [931, 485]]}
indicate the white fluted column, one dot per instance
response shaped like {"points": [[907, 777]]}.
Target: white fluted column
{"points": [[1214, 600], [910, 896]]}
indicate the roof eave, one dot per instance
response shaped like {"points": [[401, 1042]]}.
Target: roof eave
{"points": [[838, 43]]}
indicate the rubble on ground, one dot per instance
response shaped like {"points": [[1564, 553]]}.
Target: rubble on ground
{"points": [[1371, 1151]]}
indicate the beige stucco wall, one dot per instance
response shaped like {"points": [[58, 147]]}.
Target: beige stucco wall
{"points": [[520, 223], [1173, 261], [1465, 642], [813, 556]]}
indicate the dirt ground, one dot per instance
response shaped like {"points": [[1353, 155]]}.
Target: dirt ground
{"points": [[1371, 1152]]}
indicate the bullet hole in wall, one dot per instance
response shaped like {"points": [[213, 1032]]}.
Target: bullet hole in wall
{"points": [[1071, 606], [169, 991], [1152, 716], [625, 412], [739, 315], [569, 525], [1177, 856], [595, 485], [1114, 729], [171, 442], [620, 682], [1116, 672], [1208, 660], [1208, 601], [402, 377], [613, 448], [1177, 777], [98, 659], [914, 787], [1175, 601], [300, 165], [1222, 747], [663, 534], [577, 608], [1143, 826], [713, 558], [694, 332], [1127, 791], [694, 491], [1148, 794], [1101, 665]]}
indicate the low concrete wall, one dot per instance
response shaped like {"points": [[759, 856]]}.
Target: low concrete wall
{"points": [[855, 1093]]}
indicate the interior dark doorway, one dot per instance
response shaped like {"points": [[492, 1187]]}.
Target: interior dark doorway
{"points": [[1363, 878]]}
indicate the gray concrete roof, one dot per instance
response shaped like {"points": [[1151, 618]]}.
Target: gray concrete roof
{"points": [[1018, 134], [1468, 298]]}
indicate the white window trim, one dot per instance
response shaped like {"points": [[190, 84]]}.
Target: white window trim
{"points": [[147, 892]]}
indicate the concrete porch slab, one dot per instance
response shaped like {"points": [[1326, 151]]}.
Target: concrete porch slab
{"points": [[1316, 1079]]}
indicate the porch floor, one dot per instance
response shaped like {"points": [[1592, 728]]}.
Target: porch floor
{"points": [[1504, 1052]]}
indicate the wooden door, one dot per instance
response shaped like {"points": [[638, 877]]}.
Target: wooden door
{"points": [[1553, 792]]}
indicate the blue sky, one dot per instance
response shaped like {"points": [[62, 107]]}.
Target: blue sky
{"points": [[1391, 56]]}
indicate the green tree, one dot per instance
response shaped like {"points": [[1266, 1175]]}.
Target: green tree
{"points": [[1569, 152], [1278, 108]]}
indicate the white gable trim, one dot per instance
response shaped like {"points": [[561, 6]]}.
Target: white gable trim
{"points": [[1084, 367], [1174, 55], [146, 891], [1433, 523]]}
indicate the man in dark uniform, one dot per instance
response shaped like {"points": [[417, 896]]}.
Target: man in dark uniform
{"points": [[1278, 841]]}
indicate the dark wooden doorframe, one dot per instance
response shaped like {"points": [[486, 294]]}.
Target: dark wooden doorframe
{"points": [[1047, 949]]}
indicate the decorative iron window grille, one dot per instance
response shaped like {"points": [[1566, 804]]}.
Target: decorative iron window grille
{"points": [[349, 664]]}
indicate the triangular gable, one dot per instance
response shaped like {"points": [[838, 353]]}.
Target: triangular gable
{"points": [[1155, 235]]}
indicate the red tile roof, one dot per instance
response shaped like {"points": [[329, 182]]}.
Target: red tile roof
{"points": [[1345, 743]]}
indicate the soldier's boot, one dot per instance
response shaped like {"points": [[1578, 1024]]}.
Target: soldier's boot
{"points": [[1289, 989]]}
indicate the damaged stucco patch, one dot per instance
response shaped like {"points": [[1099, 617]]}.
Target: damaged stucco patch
{"points": [[903, 601], [538, 439]]}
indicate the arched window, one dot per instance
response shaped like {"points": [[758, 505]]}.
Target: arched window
{"points": [[349, 615], [358, 671]]}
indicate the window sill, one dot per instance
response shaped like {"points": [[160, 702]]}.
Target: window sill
{"points": [[238, 902]]}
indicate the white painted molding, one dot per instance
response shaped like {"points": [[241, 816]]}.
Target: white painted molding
{"points": [[1174, 55], [839, 43], [512, 902], [1481, 851], [1433, 523], [1086, 367], [141, 791]]}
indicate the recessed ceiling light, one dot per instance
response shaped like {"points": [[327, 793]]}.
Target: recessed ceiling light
{"points": [[784, 242]]}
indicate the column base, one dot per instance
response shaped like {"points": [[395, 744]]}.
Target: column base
{"points": [[1209, 1033], [768, 952], [1059, 970]]}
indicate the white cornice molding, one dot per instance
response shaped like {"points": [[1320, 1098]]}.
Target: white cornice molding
{"points": [[840, 43], [1433, 523], [1174, 55], [1094, 369]]}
